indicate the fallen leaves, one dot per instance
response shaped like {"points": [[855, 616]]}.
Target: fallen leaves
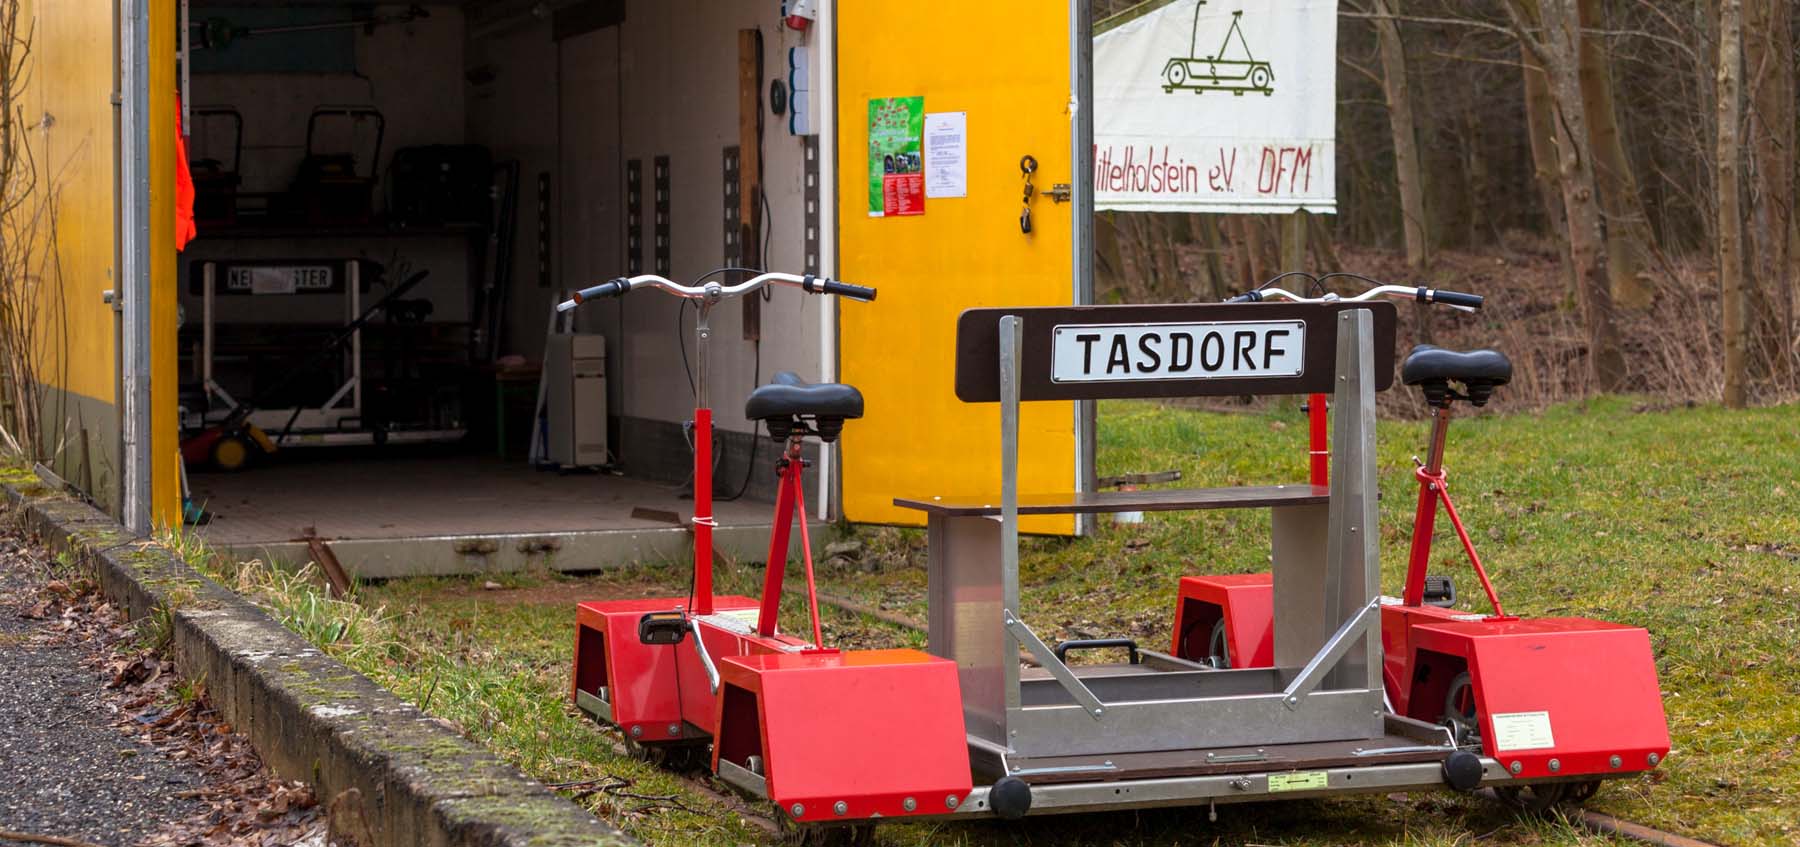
{"points": [[243, 804]]}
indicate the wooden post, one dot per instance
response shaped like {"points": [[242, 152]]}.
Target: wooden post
{"points": [[1293, 241], [750, 169]]}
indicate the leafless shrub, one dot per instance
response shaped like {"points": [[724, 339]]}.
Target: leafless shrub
{"points": [[23, 212]]}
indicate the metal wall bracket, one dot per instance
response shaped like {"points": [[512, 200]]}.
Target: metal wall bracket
{"points": [[634, 217], [1047, 658], [812, 261], [734, 247], [662, 221]]}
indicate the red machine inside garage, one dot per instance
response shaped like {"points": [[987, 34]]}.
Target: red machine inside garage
{"points": [[1300, 682]]}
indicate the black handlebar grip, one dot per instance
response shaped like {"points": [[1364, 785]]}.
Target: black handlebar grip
{"points": [[845, 289], [609, 288], [1450, 298], [1246, 297], [821, 285]]}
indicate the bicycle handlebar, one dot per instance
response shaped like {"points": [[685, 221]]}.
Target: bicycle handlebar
{"points": [[1453, 299], [713, 291]]}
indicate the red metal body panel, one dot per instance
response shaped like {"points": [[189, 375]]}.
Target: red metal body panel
{"points": [[644, 684], [1397, 627], [1596, 682], [868, 728], [1247, 603]]}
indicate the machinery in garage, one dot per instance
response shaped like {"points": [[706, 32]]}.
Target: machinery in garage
{"points": [[1339, 687]]}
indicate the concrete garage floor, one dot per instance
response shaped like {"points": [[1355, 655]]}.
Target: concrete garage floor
{"points": [[444, 514]]}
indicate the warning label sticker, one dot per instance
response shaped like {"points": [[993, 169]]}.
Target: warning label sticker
{"points": [[1522, 731], [1298, 781]]}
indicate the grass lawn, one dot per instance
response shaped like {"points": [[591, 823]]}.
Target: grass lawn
{"points": [[1685, 521]]}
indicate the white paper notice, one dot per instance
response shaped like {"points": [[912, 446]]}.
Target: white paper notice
{"points": [[1522, 731], [946, 154]]}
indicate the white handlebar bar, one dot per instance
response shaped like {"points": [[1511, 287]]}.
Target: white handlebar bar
{"points": [[1453, 299], [713, 292]]}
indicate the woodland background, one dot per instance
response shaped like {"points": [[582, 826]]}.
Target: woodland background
{"points": [[1616, 176]]}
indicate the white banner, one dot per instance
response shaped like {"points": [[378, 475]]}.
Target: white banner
{"points": [[1218, 106]]}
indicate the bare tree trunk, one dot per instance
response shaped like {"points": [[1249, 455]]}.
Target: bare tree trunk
{"points": [[1769, 65], [1325, 258], [1215, 255], [1405, 133], [1586, 228], [1733, 297], [1109, 261], [1475, 166], [1540, 126], [1629, 241], [1255, 248]]}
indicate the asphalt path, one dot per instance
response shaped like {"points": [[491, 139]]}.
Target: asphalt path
{"points": [[65, 770]]}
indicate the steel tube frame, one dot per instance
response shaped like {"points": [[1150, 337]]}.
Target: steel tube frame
{"points": [[134, 263], [1336, 696], [1064, 798]]}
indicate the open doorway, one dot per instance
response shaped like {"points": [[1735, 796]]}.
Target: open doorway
{"points": [[390, 199]]}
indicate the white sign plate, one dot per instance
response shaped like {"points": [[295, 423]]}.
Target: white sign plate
{"points": [[1522, 731], [1214, 350], [279, 279]]}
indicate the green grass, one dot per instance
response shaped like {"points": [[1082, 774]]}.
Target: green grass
{"points": [[1683, 521]]}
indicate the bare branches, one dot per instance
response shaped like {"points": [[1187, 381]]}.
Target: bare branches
{"points": [[21, 242]]}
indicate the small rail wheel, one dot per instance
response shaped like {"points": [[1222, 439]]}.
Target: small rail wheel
{"points": [[230, 453], [679, 758], [1459, 699], [1259, 77], [1578, 793], [825, 834], [1218, 649], [1176, 74], [1533, 799]]}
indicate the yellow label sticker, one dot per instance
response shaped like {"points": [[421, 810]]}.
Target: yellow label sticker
{"points": [[1298, 781]]}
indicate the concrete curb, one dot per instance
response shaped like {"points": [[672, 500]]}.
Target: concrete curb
{"points": [[394, 777]]}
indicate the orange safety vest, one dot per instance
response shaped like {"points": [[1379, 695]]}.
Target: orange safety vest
{"points": [[184, 187]]}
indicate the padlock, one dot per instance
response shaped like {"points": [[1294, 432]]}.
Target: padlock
{"points": [[1025, 220]]}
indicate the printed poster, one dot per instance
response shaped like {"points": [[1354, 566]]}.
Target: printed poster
{"points": [[896, 167]]}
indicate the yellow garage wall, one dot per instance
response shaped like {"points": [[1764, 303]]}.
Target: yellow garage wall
{"points": [[72, 137], [1005, 63], [164, 390], [69, 110]]}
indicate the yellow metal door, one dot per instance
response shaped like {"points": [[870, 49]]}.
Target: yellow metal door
{"points": [[1005, 64]]}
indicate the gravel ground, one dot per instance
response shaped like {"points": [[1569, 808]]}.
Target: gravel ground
{"points": [[65, 770]]}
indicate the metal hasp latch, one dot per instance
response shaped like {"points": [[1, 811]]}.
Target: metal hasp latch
{"points": [[1027, 167]]}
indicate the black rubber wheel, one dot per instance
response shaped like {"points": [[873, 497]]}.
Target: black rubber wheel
{"points": [[1539, 798], [1463, 771], [1218, 647], [231, 453], [1010, 798]]}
